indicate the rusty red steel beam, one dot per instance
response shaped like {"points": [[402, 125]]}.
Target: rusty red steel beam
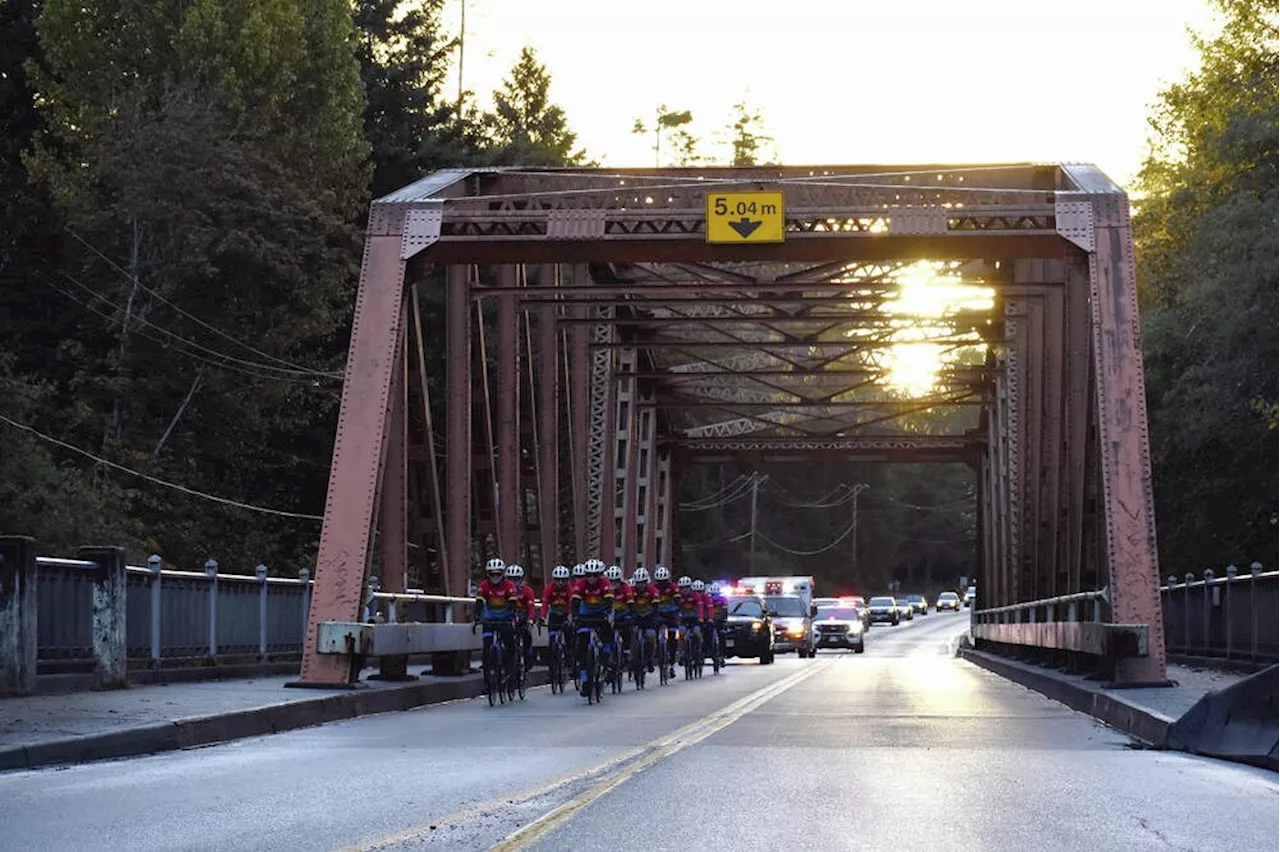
{"points": [[393, 485], [842, 247], [850, 344], [579, 396], [507, 446], [738, 291], [359, 446], [458, 428], [548, 383], [1127, 488], [882, 319]]}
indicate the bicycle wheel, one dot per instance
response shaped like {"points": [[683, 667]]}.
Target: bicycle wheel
{"points": [[556, 664], [591, 674], [516, 663], [715, 652], [500, 669], [662, 657], [491, 686], [637, 662]]}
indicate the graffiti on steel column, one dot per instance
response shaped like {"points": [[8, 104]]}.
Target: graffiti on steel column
{"points": [[1124, 450], [598, 419]]}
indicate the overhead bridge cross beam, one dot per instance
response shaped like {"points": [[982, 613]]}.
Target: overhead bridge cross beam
{"points": [[569, 293]]}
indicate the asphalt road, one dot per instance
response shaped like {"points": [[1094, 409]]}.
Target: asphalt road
{"points": [[903, 747]]}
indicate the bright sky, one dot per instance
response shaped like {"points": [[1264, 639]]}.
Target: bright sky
{"points": [[852, 81]]}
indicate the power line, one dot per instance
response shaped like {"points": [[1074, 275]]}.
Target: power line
{"points": [[822, 549], [170, 346], [274, 371], [134, 280], [743, 485], [184, 489]]}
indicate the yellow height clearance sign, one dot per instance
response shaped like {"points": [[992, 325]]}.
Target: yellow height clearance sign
{"points": [[744, 217]]}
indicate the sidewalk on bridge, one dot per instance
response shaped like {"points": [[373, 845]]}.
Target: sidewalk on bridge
{"points": [[43, 730], [1145, 712]]}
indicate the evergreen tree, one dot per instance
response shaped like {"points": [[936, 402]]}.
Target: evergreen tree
{"points": [[673, 126], [412, 128], [209, 161], [1206, 233], [745, 135], [526, 128]]}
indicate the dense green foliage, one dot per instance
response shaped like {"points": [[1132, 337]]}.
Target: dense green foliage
{"points": [[1206, 232], [184, 188]]}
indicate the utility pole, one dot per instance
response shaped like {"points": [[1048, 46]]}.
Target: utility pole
{"points": [[462, 42], [755, 489], [858, 488]]}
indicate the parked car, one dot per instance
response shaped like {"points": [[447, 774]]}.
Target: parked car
{"points": [[883, 608], [948, 600]]}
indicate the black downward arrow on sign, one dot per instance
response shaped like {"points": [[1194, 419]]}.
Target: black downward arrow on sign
{"points": [[745, 227]]}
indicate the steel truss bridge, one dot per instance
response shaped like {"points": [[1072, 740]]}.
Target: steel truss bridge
{"points": [[596, 342]]}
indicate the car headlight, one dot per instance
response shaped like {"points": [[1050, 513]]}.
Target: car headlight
{"points": [[797, 630], [757, 625], [855, 627]]}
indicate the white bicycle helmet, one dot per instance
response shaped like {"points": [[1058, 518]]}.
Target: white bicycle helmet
{"points": [[494, 564], [714, 589], [594, 567], [580, 570], [684, 582], [515, 572], [662, 573], [699, 586], [613, 573], [560, 572], [641, 576]]}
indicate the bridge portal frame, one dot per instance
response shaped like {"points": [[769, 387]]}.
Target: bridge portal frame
{"points": [[1064, 229]]}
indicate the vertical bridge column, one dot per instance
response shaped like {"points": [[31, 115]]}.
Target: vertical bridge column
{"points": [[18, 581], [625, 510], [647, 483], [359, 444], [1124, 453], [458, 439], [508, 504], [548, 429], [579, 363], [110, 647]]}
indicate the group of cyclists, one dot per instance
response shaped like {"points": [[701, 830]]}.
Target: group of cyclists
{"points": [[601, 625]]}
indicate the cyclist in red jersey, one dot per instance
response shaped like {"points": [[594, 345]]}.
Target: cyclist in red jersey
{"points": [[667, 603], [526, 614], [497, 604], [592, 609], [621, 610], [644, 612]]}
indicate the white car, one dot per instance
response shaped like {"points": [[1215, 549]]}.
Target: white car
{"points": [[969, 594]]}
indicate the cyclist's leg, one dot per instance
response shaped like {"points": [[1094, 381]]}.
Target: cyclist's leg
{"points": [[526, 636]]}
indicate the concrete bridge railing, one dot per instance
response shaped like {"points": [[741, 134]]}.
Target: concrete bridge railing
{"points": [[96, 614]]}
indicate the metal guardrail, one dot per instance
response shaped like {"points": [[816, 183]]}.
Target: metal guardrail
{"points": [[1047, 609], [1233, 617]]}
